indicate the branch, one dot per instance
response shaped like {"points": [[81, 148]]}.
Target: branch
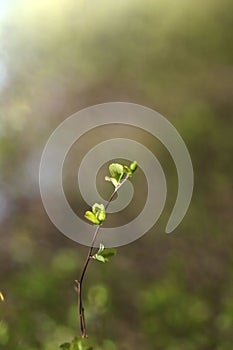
{"points": [[79, 283]]}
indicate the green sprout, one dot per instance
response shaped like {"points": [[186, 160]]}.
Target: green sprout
{"points": [[119, 174]]}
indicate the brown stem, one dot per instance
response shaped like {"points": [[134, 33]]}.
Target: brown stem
{"points": [[79, 283]]}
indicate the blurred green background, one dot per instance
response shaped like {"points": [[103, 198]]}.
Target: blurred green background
{"points": [[165, 292]]}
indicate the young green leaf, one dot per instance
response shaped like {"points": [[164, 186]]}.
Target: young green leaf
{"points": [[112, 180], [101, 216], [127, 170], [83, 344], [101, 248], [117, 171], [105, 255], [91, 217], [97, 208], [98, 214], [108, 253], [133, 166], [99, 257], [77, 344]]}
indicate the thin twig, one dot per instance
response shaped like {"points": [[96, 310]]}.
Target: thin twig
{"points": [[79, 282]]}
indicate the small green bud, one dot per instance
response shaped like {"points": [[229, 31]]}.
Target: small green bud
{"points": [[97, 215], [133, 166]]}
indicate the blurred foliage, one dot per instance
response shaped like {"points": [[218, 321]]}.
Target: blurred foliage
{"points": [[170, 292]]}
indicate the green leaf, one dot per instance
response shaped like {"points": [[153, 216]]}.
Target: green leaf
{"points": [[99, 212], [101, 216], [83, 344], [96, 208], [112, 180], [101, 248], [133, 166], [117, 171], [127, 170], [99, 258], [77, 344], [91, 217], [105, 255], [108, 253]]}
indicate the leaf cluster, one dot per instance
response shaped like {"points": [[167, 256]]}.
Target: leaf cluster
{"points": [[104, 254], [97, 215], [118, 171]]}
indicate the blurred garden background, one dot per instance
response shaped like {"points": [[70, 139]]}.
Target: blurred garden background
{"points": [[162, 292]]}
